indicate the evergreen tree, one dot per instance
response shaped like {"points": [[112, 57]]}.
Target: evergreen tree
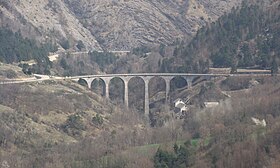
{"points": [[274, 67], [15, 48], [80, 45]]}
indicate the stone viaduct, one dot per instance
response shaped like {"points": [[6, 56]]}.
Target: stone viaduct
{"points": [[146, 77]]}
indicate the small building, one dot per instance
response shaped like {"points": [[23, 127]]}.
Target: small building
{"points": [[180, 108], [179, 103], [211, 104], [259, 122]]}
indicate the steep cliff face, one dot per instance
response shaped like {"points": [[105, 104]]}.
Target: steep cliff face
{"points": [[124, 24], [112, 24]]}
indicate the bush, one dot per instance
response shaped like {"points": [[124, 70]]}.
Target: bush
{"points": [[63, 64], [65, 44], [181, 156], [80, 45], [74, 125], [97, 120]]}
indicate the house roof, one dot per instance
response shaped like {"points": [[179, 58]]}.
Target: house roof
{"points": [[180, 105]]}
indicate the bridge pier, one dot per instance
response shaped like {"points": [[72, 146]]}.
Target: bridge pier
{"points": [[125, 81], [89, 81], [107, 84], [146, 99], [126, 93], [189, 80], [167, 88]]}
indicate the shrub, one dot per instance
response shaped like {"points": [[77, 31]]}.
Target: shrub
{"points": [[65, 44], [74, 125], [80, 45], [97, 120]]}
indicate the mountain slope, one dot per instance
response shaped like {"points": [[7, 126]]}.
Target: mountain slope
{"points": [[116, 25], [45, 20], [126, 24]]}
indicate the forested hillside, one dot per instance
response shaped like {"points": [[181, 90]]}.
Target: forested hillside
{"points": [[246, 37], [15, 48]]}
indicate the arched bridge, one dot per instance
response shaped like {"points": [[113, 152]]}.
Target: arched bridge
{"points": [[146, 77]]}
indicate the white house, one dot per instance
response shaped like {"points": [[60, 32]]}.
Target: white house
{"points": [[180, 107], [211, 104], [179, 103], [259, 122]]}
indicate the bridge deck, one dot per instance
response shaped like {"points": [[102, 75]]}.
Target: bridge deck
{"points": [[164, 75], [131, 75]]}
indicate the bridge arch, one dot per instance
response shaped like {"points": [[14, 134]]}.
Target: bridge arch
{"points": [[98, 85], [83, 82], [136, 85], [87, 81], [117, 89], [178, 82], [157, 89]]}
